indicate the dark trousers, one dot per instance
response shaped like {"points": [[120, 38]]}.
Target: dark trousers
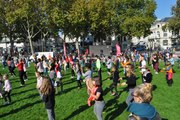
{"points": [[72, 72], [12, 71], [25, 75], [79, 83], [6, 96], [21, 75], [100, 76]]}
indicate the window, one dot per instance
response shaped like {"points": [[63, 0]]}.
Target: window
{"points": [[165, 34], [165, 42], [158, 34]]}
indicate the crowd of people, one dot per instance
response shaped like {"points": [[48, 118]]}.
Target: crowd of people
{"points": [[88, 68]]}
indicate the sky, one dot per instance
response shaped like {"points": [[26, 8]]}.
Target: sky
{"points": [[164, 8]]}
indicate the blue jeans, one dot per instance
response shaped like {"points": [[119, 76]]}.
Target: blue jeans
{"points": [[130, 97], [51, 114], [98, 109]]}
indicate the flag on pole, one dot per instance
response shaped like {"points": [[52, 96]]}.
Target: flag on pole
{"points": [[118, 50], [64, 47]]}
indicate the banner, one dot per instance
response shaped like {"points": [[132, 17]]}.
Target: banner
{"points": [[64, 47], [118, 50]]}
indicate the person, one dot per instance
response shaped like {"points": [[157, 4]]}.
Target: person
{"points": [[109, 65], [7, 90], [169, 73], [48, 97], [40, 67], [78, 73], [20, 66], [155, 62], [58, 82], [147, 76], [142, 65], [12, 67], [1, 86], [39, 82], [98, 66], [98, 96], [3, 61], [140, 108], [178, 62], [115, 77], [130, 82], [25, 70]]}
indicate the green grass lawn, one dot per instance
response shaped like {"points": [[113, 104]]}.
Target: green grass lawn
{"points": [[72, 104]]}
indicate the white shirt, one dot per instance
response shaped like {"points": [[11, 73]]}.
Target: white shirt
{"points": [[109, 63], [143, 64], [59, 75], [7, 85]]}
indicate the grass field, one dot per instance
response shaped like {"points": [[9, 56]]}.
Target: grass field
{"points": [[72, 104]]}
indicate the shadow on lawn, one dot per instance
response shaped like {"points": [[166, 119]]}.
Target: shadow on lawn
{"points": [[119, 108], [23, 91], [20, 108], [76, 112]]}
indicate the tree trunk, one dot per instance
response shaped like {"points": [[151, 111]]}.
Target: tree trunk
{"points": [[31, 46], [77, 46], [12, 45]]}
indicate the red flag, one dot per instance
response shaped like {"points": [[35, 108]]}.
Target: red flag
{"points": [[64, 47], [87, 51], [118, 50]]}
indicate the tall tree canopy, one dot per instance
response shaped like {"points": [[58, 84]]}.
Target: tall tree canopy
{"points": [[174, 22]]}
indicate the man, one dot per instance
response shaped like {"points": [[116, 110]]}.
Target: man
{"points": [[142, 65], [98, 66]]}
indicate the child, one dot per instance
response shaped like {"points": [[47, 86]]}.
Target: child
{"points": [[147, 76], [91, 98], [1, 86], [7, 90], [78, 73], [52, 76], [178, 62], [115, 77], [39, 82], [58, 81], [169, 73]]}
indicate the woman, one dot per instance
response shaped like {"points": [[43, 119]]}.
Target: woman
{"points": [[130, 82], [141, 108], [98, 96], [48, 96]]}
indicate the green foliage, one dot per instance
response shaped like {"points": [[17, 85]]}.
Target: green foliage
{"points": [[80, 17], [174, 22]]}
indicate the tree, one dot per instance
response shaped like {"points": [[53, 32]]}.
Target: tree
{"points": [[174, 22], [134, 17], [8, 29], [100, 18], [32, 14]]}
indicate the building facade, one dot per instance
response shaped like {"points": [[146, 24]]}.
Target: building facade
{"points": [[161, 37]]}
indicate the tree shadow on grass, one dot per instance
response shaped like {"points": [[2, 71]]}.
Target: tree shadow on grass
{"points": [[76, 112], [20, 108], [23, 91], [28, 97], [24, 86], [119, 108]]}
